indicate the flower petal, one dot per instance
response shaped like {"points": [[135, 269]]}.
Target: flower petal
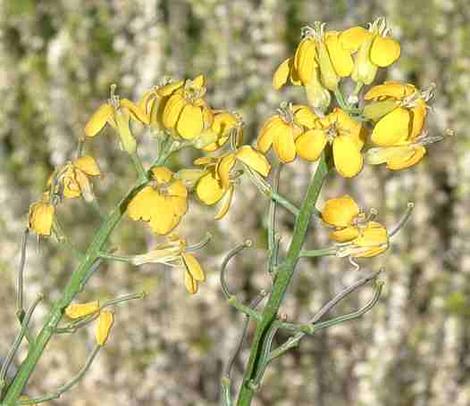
{"points": [[282, 73], [172, 110], [135, 111], [88, 165], [304, 116], [208, 189], [310, 144], [142, 205], [79, 310], [191, 122], [284, 145], [41, 215], [414, 156], [226, 203], [352, 38], [103, 327], [304, 59], [193, 266], [98, 120], [347, 156], [397, 90], [340, 57], [190, 283], [254, 159], [384, 51], [392, 128], [345, 234], [340, 211]]}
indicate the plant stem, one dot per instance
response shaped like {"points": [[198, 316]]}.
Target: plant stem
{"points": [[71, 290], [323, 252], [281, 283]]}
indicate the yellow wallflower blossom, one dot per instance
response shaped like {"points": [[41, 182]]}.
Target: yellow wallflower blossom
{"points": [[117, 113], [185, 112], [216, 182], [355, 234], [174, 253], [282, 130], [373, 49], [103, 326], [41, 216], [345, 136], [79, 310], [162, 204], [399, 110], [72, 181]]}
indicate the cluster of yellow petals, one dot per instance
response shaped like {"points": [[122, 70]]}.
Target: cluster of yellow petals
{"points": [[282, 130], [117, 113], [399, 111], [76, 311], [354, 234], [345, 136], [216, 182], [70, 181], [162, 203], [174, 253]]}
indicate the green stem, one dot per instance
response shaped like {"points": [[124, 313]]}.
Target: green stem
{"points": [[139, 167], [73, 287], [281, 283], [323, 252]]}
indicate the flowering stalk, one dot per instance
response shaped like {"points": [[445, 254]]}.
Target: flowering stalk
{"points": [[283, 278]]}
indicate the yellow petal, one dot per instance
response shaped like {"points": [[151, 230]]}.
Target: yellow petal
{"points": [[209, 190], [193, 266], [416, 154], [177, 189], [41, 215], [340, 56], [224, 168], [418, 115], [142, 205], [372, 235], [98, 120], [226, 202], [190, 283], [345, 234], [172, 110], [304, 59], [191, 122], [352, 38], [254, 159], [79, 310], [103, 327], [376, 110], [384, 51], [392, 128], [282, 73], [128, 142], [340, 211], [135, 111], [88, 165], [310, 144], [162, 174], [304, 116], [164, 216], [198, 82], [329, 77], [266, 134], [284, 145], [169, 88], [347, 156], [397, 90]]}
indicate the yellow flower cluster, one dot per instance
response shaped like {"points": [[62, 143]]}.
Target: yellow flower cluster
{"points": [[386, 123], [354, 232], [70, 181]]}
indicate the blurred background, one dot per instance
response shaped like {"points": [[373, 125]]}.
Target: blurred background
{"points": [[57, 60]]}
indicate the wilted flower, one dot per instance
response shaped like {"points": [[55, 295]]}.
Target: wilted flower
{"points": [[282, 130], [162, 203], [103, 326], [174, 253], [354, 232], [41, 216], [343, 133], [117, 113], [80, 310], [216, 181]]}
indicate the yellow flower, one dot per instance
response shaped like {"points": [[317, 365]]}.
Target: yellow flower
{"points": [[281, 131], [345, 136], [224, 125], [354, 233], [399, 110], [373, 49], [103, 326], [72, 181], [217, 180], [174, 253], [117, 113], [41, 216], [185, 112], [162, 204]]}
